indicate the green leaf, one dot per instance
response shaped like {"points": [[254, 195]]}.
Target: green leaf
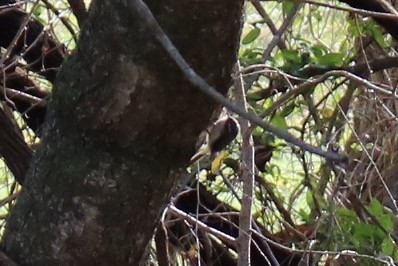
{"points": [[258, 131], [385, 218], [291, 56], [344, 46], [379, 36], [38, 10], [387, 246], [353, 28], [279, 121], [274, 170], [288, 110], [319, 50], [376, 208], [250, 56], [387, 221], [347, 214], [310, 199], [304, 215], [331, 59], [327, 112], [364, 231], [374, 29], [287, 6], [254, 96], [251, 36]]}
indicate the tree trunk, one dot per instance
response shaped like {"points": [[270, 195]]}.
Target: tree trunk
{"points": [[120, 129]]}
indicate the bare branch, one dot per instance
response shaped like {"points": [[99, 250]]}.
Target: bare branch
{"points": [[192, 220], [361, 12], [278, 35], [260, 9], [11, 5], [245, 217], [9, 199], [64, 20], [16, 94], [79, 10]]}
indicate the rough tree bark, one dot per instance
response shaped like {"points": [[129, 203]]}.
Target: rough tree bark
{"points": [[121, 125]]}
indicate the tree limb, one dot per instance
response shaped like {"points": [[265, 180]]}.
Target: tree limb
{"points": [[79, 10], [245, 217], [13, 148]]}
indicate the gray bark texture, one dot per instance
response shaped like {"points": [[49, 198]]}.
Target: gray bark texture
{"points": [[120, 129]]}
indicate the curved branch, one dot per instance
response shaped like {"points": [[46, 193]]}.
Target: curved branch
{"points": [[375, 65], [13, 148], [362, 12], [79, 10], [247, 176]]}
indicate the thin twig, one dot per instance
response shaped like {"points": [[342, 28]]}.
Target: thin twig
{"points": [[278, 35], [12, 93], [62, 18], [9, 199], [260, 9], [270, 258], [7, 6], [354, 10], [192, 220], [245, 217]]}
